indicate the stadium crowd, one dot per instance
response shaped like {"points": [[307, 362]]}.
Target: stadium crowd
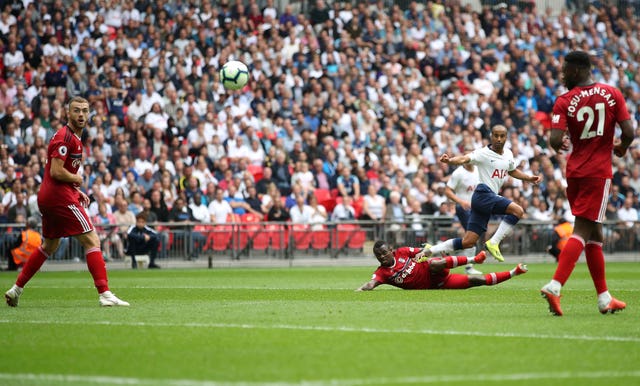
{"points": [[359, 99]]}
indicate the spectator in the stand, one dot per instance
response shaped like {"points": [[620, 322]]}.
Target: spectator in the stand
{"points": [[183, 219], [219, 208], [255, 203], [301, 212], [321, 179], [278, 212], [265, 181], [319, 215], [348, 184], [107, 230], [159, 206], [304, 177], [123, 216], [199, 208], [374, 206], [344, 211], [281, 174]]}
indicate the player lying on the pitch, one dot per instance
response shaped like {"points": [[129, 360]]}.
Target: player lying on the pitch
{"points": [[406, 268]]}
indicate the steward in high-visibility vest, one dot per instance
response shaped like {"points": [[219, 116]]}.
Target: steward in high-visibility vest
{"points": [[561, 234], [25, 245]]}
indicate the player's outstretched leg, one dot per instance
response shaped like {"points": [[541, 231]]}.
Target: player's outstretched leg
{"points": [[494, 250], [613, 306], [12, 296], [108, 299], [494, 278], [552, 296]]}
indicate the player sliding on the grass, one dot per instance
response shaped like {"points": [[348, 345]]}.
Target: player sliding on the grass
{"points": [[407, 268]]}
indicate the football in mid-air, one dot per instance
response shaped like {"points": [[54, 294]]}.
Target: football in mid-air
{"points": [[234, 75]]}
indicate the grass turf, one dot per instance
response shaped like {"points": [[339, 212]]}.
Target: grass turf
{"points": [[307, 326]]}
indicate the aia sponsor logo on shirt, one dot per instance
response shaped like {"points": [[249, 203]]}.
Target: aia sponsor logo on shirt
{"points": [[499, 173]]}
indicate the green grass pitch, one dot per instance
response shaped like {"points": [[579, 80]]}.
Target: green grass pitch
{"points": [[307, 326]]}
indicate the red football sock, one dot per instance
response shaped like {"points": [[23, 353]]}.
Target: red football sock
{"points": [[37, 258], [494, 278], [595, 262], [454, 261], [568, 258], [98, 269]]}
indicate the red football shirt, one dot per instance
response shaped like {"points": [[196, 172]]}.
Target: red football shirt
{"points": [[590, 114], [406, 273], [66, 146]]}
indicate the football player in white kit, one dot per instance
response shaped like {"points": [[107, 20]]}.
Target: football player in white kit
{"points": [[459, 189], [495, 164]]}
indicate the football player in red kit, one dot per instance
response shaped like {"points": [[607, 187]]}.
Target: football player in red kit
{"points": [[62, 205], [404, 268], [585, 119]]}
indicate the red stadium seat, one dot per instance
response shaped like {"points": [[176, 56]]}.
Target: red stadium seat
{"points": [[301, 235], [326, 199], [320, 240], [278, 236], [221, 237], [256, 171]]}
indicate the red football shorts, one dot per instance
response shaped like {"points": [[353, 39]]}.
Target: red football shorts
{"points": [[62, 221], [588, 197]]}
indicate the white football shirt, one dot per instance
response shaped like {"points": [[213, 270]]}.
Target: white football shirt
{"points": [[493, 168], [463, 182]]}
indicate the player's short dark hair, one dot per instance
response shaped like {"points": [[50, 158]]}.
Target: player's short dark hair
{"points": [[377, 246], [76, 99], [578, 59]]}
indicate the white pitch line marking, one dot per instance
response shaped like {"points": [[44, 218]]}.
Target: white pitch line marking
{"points": [[435, 379], [336, 329]]}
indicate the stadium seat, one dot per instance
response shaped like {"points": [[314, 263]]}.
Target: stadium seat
{"points": [[221, 237], [256, 171], [325, 199], [301, 235], [349, 236], [320, 240], [278, 237]]}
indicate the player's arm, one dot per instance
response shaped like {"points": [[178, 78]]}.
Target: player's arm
{"points": [[453, 197], [558, 140], [457, 160], [368, 286], [519, 174], [61, 174], [620, 148]]}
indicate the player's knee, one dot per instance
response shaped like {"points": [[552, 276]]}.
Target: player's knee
{"points": [[516, 210], [476, 280], [469, 241]]}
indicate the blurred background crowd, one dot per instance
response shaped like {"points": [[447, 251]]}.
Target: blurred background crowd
{"points": [[355, 98]]}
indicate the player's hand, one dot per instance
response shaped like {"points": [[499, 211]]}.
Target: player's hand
{"points": [[84, 199], [445, 158], [536, 179], [618, 150], [466, 205], [566, 143]]}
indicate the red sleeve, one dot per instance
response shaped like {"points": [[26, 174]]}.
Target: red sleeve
{"points": [[407, 252], [559, 115], [59, 149]]}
